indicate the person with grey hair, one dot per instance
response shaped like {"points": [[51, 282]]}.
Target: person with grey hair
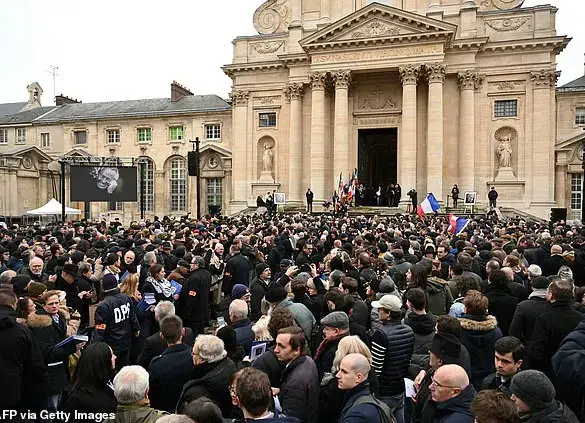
{"points": [[534, 270], [6, 278], [238, 313], [131, 392], [193, 302], [211, 377], [154, 345], [148, 260]]}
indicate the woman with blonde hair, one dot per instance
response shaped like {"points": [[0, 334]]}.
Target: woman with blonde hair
{"points": [[130, 287], [260, 329], [331, 397]]}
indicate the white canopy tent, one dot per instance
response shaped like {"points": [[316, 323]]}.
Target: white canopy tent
{"points": [[52, 207]]}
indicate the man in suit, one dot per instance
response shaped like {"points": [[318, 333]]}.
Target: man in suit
{"points": [[154, 345], [193, 304], [172, 369]]}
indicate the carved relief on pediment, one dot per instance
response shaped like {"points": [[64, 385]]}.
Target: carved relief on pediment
{"points": [[499, 4], [375, 29]]}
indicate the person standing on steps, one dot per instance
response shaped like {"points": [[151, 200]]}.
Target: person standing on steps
{"points": [[309, 194], [493, 196], [455, 195]]}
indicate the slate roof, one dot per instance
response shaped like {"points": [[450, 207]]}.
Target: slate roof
{"points": [[576, 85], [136, 108], [25, 117], [11, 108]]}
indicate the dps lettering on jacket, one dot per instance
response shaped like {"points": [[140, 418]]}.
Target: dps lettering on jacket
{"points": [[122, 313]]}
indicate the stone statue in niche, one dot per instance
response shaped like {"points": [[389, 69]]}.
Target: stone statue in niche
{"points": [[267, 159], [504, 151]]}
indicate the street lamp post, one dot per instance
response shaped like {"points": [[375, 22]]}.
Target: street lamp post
{"points": [[196, 143]]}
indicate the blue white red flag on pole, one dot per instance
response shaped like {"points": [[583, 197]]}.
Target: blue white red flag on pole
{"points": [[457, 224], [429, 205]]}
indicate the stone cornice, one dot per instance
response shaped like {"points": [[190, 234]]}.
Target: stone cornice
{"points": [[294, 91], [294, 58], [231, 70], [466, 44], [409, 74], [555, 44]]}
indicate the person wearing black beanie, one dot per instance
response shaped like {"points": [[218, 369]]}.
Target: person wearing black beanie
{"points": [[534, 395]]}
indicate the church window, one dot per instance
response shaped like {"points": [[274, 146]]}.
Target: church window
{"points": [[113, 136], [45, 140], [505, 108], [267, 120], [178, 184], [580, 116], [214, 191], [213, 132], [80, 137], [576, 195], [175, 133], [148, 185], [144, 134], [3, 136], [20, 135]]}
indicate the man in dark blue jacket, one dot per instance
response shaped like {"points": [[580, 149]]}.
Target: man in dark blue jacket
{"points": [[392, 348], [116, 321], [241, 324], [359, 405], [170, 370]]}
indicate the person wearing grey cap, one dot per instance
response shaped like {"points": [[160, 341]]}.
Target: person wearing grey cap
{"points": [[392, 348], [534, 395], [335, 327]]}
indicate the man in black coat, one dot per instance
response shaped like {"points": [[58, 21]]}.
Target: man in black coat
{"points": [[170, 370], [21, 361], [335, 327], [193, 304], [551, 265], [154, 345], [527, 311], [508, 358], [66, 281], [553, 326], [309, 194], [259, 289], [501, 302], [237, 270]]}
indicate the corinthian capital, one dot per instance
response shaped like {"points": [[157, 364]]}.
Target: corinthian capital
{"points": [[294, 91], [544, 78], [341, 78], [435, 72], [409, 74], [469, 80], [318, 80], [240, 97]]}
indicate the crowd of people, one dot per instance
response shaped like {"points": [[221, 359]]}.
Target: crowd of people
{"points": [[293, 318]]}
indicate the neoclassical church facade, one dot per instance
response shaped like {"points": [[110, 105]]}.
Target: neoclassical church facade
{"points": [[424, 93]]}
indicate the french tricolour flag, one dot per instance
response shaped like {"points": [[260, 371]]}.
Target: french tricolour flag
{"points": [[429, 205], [457, 224]]}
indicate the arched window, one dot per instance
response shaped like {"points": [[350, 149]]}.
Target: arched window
{"points": [[148, 185], [178, 184]]}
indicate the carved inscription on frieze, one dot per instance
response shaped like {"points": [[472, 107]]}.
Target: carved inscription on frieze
{"points": [[379, 54]]}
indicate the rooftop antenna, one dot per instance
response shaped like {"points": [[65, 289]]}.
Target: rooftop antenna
{"points": [[53, 72]]}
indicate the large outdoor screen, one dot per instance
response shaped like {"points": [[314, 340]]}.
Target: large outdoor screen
{"points": [[103, 183]]}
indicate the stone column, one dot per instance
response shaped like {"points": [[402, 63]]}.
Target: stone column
{"points": [[544, 83], [407, 151], [466, 152], [239, 149], [341, 79], [318, 177], [436, 77], [294, 95]]}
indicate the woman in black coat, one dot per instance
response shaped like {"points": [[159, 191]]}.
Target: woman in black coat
{"points": [[91, 390]]}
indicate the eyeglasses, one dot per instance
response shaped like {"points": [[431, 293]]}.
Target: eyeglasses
{"points": [[439, 385]]}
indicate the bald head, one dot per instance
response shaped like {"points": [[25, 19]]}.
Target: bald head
{"points": [[509, 273], [353, 370], [358, 363], [454, 375]]}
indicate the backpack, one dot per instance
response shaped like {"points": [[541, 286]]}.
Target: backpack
{"points": [[383, 410]]}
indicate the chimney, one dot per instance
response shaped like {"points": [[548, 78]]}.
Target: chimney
{"points": [[178, 91], [61, 100]]}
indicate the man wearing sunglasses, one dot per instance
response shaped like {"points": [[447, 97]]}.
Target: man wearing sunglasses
{"points": [[451, 396]]}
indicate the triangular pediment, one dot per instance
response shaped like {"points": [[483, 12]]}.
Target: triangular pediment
{"points": [[382, 23], [32, 152], [213, 148]]}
